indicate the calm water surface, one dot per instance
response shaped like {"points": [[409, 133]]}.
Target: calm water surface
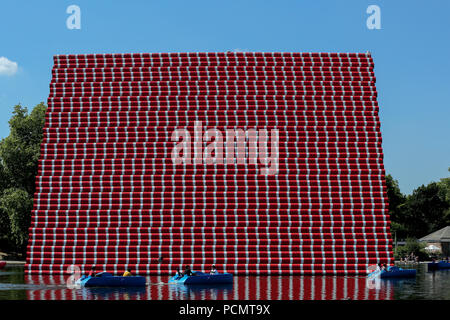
{"points": [[14, 284]]}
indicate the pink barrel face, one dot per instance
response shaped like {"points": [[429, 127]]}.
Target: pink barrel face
{"points": [[259, 163]]}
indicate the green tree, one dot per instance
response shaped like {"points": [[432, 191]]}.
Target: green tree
{"points": [[5, 225], [19, 156], [424, 210], [17, 205], [445, 185], [396, 199], [19, 152], [411, 246]]}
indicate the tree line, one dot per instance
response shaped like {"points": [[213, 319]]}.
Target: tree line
{"points": [[426, 210]]}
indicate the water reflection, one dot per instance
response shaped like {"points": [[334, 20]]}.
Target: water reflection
{"points": [[111, 293], [434, 285], [200, 292], [243, 288], [427, 285]]}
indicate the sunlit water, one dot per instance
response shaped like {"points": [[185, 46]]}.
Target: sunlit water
{"points": [[14, 284]]}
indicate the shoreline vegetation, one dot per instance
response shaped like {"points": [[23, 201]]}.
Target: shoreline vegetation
{"points": [[413, 216]]}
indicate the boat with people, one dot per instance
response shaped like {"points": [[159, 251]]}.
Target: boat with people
{"points": [[2, 264], [202, 278], [106, 279], [441, 265], [394, 272]]}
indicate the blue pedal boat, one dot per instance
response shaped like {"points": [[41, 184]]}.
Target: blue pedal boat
{"points": [[106, 279], [441, 265], [394, 272], [203, 278]]}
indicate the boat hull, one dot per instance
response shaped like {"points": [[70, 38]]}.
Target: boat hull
{"points": [[408, 273], [201, 278], [111, 281], [394, 272], [438, 265]]}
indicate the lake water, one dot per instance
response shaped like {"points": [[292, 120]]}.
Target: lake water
{"points": [[15, 285]]}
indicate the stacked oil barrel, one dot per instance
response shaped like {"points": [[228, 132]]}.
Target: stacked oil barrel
{"points": [[110, 192]]}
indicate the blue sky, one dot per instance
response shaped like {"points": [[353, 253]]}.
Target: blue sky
{"points": [[411, 54]]}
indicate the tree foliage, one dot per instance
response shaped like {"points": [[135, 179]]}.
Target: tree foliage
{"points": [[16, 204], [19, 156], [396, 198], [19, 152], [444, 184], [414, 247], [424, 211]]}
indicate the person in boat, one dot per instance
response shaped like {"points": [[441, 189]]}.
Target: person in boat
{"points": [[213, 270], [188, 272], [127, 273], [378, 267], [92, 272], [178, 273]]}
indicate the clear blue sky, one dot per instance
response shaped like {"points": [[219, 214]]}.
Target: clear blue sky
{"points": [[411, 53]]}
